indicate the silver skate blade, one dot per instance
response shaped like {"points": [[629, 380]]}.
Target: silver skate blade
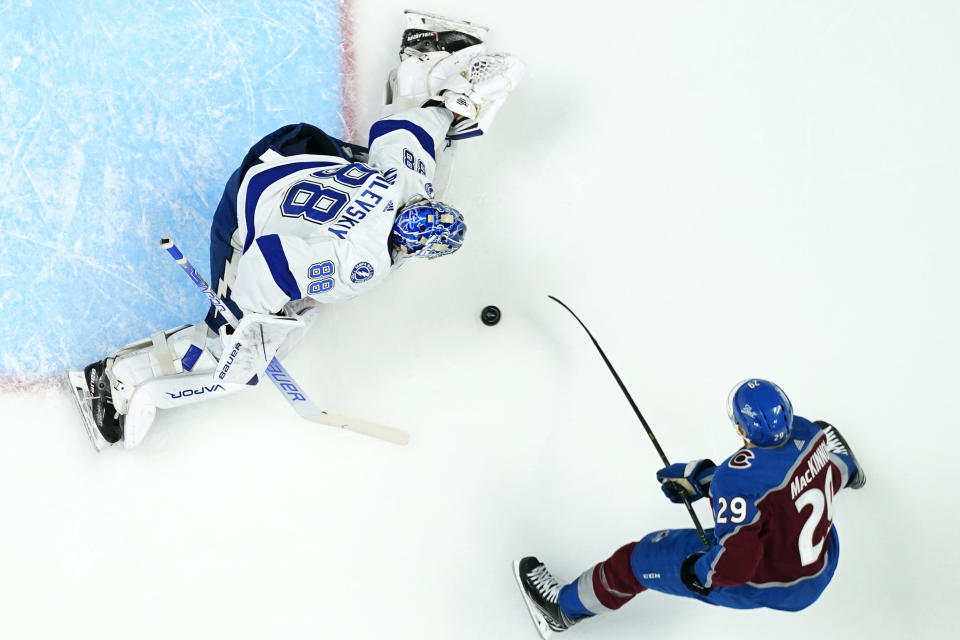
{"points": [[542, 627], [79, 385], [433, 22]]}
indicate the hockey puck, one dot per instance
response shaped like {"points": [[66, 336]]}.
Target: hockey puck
{"points": [[490, 315]]}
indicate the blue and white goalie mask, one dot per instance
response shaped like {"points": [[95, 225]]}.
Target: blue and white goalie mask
{"points": [[427, 229]]}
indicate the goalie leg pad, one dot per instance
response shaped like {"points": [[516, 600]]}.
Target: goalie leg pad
{"points": [[169, 369], [166, 353], [169, 392]]}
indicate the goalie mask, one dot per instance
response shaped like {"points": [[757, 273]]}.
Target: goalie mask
{"points": [[427, 229]]}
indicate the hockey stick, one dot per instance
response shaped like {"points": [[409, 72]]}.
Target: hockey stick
{"points": [[279, 376], [623, 387]]}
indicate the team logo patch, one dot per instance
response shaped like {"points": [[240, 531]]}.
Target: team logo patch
{"points": [[429, 189], [362, 271], [741, 459], [660, 536]]}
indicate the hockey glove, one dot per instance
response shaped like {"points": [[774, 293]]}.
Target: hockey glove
{"points": [[691, 479], [689, 577]]}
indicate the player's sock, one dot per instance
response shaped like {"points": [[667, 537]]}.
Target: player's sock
{"points": [[108, 421], [541, 591], [604, 587]]}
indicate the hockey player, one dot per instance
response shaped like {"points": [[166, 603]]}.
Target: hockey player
{"points": [[308, 219], [774, 544]]}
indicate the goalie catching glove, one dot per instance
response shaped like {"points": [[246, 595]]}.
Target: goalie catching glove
{"points": [[478, 92], [471, 83]]}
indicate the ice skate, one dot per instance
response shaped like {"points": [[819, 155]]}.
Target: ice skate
{"points": [[427, 32], [838, 444], [540, 592], [429, 39], [91, 389]]}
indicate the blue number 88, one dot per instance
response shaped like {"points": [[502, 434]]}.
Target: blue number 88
{"points": [[321, 269], [320, 286]]}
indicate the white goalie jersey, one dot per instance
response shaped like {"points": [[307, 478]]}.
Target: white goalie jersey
{"points": [[312, 226]]}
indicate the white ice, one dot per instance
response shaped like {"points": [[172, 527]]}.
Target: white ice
{"points": [[721, 190]]}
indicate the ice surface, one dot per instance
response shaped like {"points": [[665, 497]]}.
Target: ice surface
{"points": [[120, 123], [718, 189]]}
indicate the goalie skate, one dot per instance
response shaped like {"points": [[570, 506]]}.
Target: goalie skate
{"points": [[81, 393], [421, 21], [94, 395]]}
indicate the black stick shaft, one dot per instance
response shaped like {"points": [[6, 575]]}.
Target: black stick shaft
{"points": [[636, 410]]}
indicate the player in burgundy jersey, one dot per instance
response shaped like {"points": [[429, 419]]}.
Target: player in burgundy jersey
{"points": [[774, 544]]}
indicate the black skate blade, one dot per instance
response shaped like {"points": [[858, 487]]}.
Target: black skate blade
{"points": [[542, 627], [82, 396]]}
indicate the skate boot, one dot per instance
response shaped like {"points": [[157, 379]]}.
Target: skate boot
{"points": [[428, 39], [109, 423], [836, 443], [540, 591], [427, 32]]}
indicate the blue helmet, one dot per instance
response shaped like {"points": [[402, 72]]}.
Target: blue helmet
{"points": [[762, 410], [428, 229]]}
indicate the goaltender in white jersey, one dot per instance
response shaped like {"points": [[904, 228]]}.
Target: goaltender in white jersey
{"points": [[309, 219], [349, 210]]}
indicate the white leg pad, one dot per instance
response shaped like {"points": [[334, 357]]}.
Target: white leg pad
{"points": [[169, 392], [170, 369], [177, 367]]}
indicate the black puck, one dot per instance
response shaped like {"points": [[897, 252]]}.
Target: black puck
{"points": [[490, 315]]}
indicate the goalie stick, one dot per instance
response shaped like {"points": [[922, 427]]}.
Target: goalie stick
{"points": [[278, 374], [636, 410]]}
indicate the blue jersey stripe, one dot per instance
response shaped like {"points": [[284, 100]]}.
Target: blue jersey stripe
{"points": [[272, 251], [383, 127], [259, 183], [467, 134]]}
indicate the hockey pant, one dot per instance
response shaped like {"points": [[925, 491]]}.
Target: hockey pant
{"points": [[654, 563]]}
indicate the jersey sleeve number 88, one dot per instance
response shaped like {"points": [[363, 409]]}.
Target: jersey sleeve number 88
{"points": [[320, 275]]}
